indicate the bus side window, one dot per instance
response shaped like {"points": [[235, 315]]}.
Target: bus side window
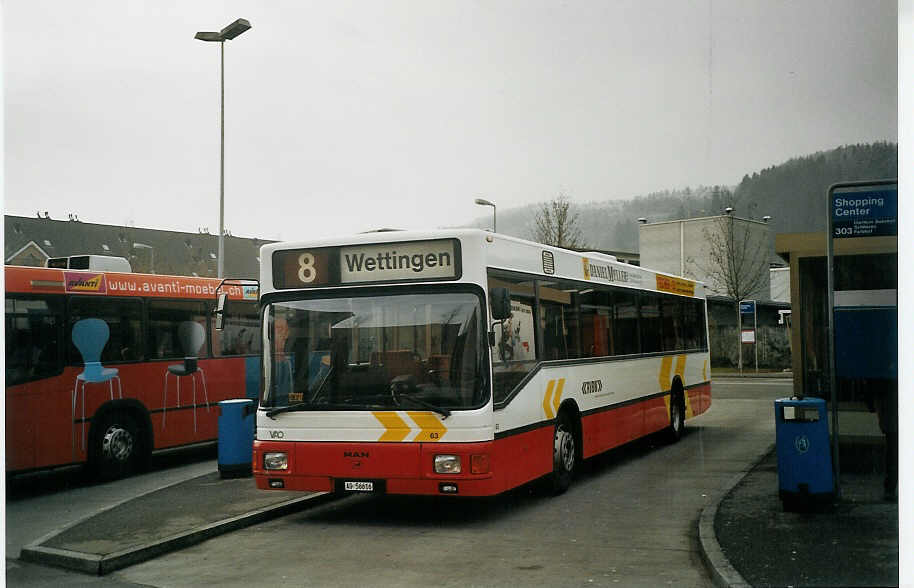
{"points": [[240, 334], [125, 325], [32, 337], [165, 318], [651, 323], [514, 353]]}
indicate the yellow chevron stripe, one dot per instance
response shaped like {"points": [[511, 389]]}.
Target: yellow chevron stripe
{"points": [[396, 428], [432, 429], [663, 378], [547, 405], [680, 367], [558, 396]]}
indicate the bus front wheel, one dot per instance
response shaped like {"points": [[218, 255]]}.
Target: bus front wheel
{"points": [[564, 454], [116, 445]]}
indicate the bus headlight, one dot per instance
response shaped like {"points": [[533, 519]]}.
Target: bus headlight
{"points": [[278, 460], [447, 464]]}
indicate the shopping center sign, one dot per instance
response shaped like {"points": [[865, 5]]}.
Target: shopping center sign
{"points": [[869, 210]]}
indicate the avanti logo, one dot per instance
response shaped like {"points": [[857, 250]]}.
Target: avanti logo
{"points": [[81, 282]]}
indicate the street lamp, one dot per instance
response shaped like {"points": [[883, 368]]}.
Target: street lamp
{"points": [[152, 255], [483, 202], [226, 34]]}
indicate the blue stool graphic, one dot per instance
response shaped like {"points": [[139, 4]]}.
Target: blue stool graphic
{"points": [[90, 336], [191, 335]]}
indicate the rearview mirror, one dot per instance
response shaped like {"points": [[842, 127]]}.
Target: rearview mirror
{"points": [[500, 299], [220, 311]]}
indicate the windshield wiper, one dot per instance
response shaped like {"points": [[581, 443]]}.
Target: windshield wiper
{"points": [[311, 406], [439, 409], [275, 411]]}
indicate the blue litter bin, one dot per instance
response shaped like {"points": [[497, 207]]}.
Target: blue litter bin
{"points": [[236, 437], [804, 453]]}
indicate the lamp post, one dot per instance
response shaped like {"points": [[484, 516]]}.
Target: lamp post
{"points": [[226, 34], [152, 255], [483, 202]]}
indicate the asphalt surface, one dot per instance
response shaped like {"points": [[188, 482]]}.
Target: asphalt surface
{"points": [[852, 542], [746, 537], [162, 520]]}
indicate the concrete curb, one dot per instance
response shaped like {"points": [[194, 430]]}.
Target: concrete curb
{"points": [[723, 574], [92, 563]]}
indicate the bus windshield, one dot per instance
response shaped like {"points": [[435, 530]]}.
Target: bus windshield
{"points": [[387, 352]]}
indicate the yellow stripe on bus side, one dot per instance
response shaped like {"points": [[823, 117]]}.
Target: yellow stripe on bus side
{"points": [[663, 378], [550, 402]]}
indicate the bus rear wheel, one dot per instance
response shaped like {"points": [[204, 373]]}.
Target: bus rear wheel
{"points": [[115, 445], [677, 416], [564, 454]]}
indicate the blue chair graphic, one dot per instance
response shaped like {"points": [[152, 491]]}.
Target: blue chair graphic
{"points": [[90, 336], [192, 336]]}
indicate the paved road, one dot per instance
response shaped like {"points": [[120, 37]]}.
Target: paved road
{"points": [[629, 520]]}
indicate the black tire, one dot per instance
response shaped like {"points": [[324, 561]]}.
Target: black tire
{"points": [[564, 453], [116, 447], [677, 416]]}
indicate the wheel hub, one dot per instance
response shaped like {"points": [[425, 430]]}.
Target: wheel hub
{"points": [[564, 449], [117, 444]]}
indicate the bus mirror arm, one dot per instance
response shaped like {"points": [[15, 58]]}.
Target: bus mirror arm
{"points": [[220, 311]]}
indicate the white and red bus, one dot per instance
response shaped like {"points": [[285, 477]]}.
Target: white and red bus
{"points": [[464, 362], [103, 367]]}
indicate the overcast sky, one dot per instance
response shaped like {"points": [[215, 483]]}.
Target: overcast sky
{"points": [[348, 116]]}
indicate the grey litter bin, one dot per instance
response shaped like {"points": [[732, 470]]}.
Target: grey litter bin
{"points": [[236, 437]]}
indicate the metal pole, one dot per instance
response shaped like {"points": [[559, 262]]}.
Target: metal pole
{"points": [[832, 379], [739, 331], [681, 249], [755, 328], [221, 260], [494, 220]]}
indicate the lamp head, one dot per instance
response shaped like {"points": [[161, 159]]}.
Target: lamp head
{"points": [[235, 29], [208, 36]]}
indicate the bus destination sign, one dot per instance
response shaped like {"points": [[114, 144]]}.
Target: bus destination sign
{"points": [[360, 264]]}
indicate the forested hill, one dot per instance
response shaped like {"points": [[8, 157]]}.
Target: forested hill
{"points": [[792, 193]]}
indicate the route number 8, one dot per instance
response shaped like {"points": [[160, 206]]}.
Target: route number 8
{"points": [[306, 271]]}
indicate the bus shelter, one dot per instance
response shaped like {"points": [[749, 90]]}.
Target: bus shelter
{"points": [[866, 352]]}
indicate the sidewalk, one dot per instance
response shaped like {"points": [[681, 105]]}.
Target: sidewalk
{"points": [[164, 520], [749, 540]]}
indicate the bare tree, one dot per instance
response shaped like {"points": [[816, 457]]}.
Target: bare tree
{"points": [[555, 224], [737, 262]]}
